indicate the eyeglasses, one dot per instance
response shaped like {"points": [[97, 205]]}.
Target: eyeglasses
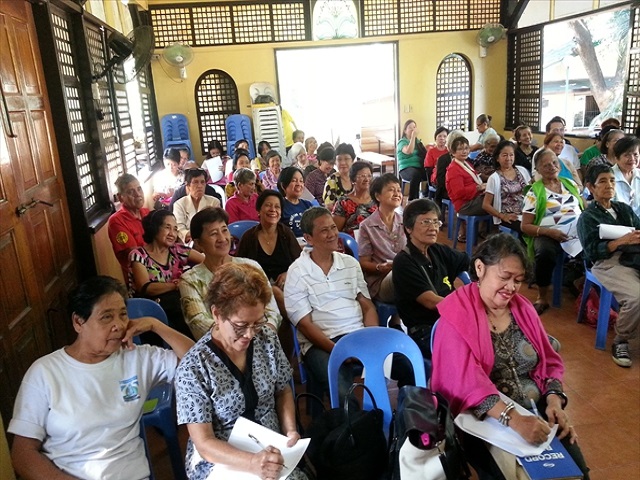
{"points": [[364, 177], [430, 223], [240, 329]]}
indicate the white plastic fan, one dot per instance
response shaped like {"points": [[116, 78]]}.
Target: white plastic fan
{"points": [[488, 35], [179, 55]]}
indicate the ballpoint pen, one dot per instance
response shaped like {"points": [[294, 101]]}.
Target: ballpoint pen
{"points": [[534, 408], [262, 446]]}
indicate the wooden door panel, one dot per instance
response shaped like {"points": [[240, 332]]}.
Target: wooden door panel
{"points": [[42, 239], [24, 155], [7, 65], [7, 377], [28, 340], [14, 301], [27, 58], [42, 137], [63, 254]]}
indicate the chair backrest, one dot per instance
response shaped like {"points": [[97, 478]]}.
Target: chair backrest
{"points": [[143, 307], [349, 242], [238, 228], [464, 276], [433, 334], [238, 127], [371, 346], [175, 126]]}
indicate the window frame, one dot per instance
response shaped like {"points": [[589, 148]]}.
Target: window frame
{"points": [[467, 64]]}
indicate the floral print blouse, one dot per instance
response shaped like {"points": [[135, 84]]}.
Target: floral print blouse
{"points": [[354, 212]]}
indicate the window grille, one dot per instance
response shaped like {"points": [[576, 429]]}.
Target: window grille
{"points": [[524, 78], [84, 160], [631, 106], [218, 23], [453, 93], [216, 98]]}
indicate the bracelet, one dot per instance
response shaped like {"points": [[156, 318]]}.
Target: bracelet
{"points": [[504, 417], [562, 395], [538, 232]]}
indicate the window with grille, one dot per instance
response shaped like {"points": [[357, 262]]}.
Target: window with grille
{"points": [[335, 19], [221, 23], [631, 106], [453, 93], [216, 98], [392, 17], [84, 159]]}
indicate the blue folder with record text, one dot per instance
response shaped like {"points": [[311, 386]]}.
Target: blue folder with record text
{"points": [[554, 463]]}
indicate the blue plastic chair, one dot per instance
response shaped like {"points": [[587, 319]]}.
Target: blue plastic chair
{"points": [[350, 243], [306, 377], [557, 279], [508, 231], [433, 334], [432, 192], [162, 416], [371, 346], [175, 132], [238, 228], [446, 203], [464, 276], [607, 301], [385, 311], [473, 221], [238, 127]]}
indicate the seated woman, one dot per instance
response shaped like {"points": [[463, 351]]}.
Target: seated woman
{"points": [[464, 185], [56, 435], [483, 163], [270, 243], [381, 237], [555, 143], [259, 164], [236, 369], [211, 236], [424, 271], [621, 280], [339, 183], [525, 150], [242, 206], [215, 149], [410, 165], [291, 185], [440, 148], [607, 155], [168, 180], [311, 145], [240, 160], [438, 177], [272, 173], [317, 179], [552, 201], [483, 125], [490, 340], [195, 201], [627, 172], [181, 191], [354, 207], [297, 156], [157, 266], [505, 188]]}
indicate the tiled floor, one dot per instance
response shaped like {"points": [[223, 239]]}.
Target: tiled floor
{"points": [[604, 399]]}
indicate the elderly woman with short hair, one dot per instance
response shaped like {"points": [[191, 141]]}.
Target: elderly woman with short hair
{"points": [[242, 206], [78, 410], [483, 163], [195, 201], [354, 207], [237, 369]]}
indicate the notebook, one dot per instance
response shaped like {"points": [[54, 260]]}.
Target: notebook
{"points": [[554, 463]]}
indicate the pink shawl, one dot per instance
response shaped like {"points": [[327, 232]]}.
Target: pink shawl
{"points": [[463, 355]]}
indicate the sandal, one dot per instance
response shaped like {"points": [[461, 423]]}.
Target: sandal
{"points": [[541, 307], [462, 239]]}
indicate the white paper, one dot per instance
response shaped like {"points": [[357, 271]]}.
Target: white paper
{"points": [[572, 246], [613, 232], [213, 166], [240, 439], [490, 430]]}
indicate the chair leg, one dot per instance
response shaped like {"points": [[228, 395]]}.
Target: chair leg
{"points": [[603, 318], [170, 434], [455, 233], [452, 219], [558, 272], [472, 235], [143, 434]]}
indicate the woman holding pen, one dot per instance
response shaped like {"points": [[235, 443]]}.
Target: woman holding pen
{"points": [[236, 369]]}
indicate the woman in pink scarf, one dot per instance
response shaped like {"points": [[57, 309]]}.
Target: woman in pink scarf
{"points": [[490, 339]]}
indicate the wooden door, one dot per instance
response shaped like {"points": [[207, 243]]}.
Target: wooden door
{"points": [[36, 256]]}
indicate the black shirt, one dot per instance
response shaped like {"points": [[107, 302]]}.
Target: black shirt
{"points": [[410, 272]]}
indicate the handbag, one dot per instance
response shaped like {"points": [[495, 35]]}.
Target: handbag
{"points": [[421, 150], [424, 445], [347, 444]]}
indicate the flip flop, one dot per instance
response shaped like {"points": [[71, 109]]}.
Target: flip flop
{"points": [[541, 307]]}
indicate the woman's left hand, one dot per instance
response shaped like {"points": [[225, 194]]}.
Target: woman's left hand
{"points": [[280, 280], [135, 328], [555, 414], [293, 438]]}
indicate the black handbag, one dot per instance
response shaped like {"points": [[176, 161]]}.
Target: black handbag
{"points": [[424, 423], [421, 150], [347, 444]]}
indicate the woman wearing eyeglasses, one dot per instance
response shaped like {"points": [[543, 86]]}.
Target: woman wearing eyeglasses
{"points": [[211, 236], [237, 369], [354, 207], [424, 271]]}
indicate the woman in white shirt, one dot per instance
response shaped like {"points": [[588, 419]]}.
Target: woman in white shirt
{"points": [[627, 172], [185, 208]]}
